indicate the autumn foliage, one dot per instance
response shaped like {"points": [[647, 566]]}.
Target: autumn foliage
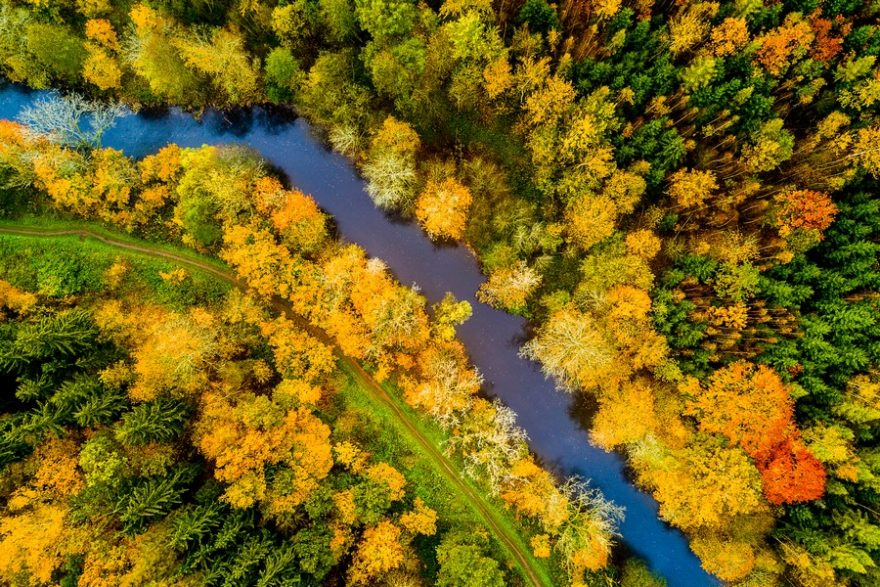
{"points": [[442, 209], [791, 474], [751, 406]]}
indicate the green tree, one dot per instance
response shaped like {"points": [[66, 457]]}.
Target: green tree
{"points": [[463, 563], [386, 19], [57, 49], [283, 75]]}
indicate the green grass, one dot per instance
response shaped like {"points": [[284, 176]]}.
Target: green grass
{"points": [[50, 223], [71, 266]]}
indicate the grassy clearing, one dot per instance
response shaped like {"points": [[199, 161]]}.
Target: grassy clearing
{"points": [[69, 265], [50, 223]]}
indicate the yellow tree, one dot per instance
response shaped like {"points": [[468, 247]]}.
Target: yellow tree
{"points": [[295, 216], [101, 31], [867, 151], [573, 349], [379, 552], [395, 315], [258, 259], [509, 287], [126, 561], [630, 327], [643, 243], [729, 36], [625, 415], [590, 219], [533, 492], [101, 68], [243, 436], [114, 179], [449, 313], [701, 486], [735, 396], [691, 25], [14, 299], [442, 209], [446, 384], [33, 542], [298, 355], [158, 175], [420, 520], [498, 77], [36, 532], [64, 174], [390, 168], [625, 189], [172, 351], [154, 58], [691, 188], [221, 55]]}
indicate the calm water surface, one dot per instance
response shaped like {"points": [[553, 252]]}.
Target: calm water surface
{"points": [[492, 337]]}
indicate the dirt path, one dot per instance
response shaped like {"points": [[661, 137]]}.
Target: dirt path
{"points": [[365, 379]]}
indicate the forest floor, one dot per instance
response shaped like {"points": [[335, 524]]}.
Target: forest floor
{"points": [[422, 437]]}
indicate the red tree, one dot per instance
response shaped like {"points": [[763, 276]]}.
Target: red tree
{"points": [[792, 474]]}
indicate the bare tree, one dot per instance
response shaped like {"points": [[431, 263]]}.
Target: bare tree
{"points": [[70, 120]]}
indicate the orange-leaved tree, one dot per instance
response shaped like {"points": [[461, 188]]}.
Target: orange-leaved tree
{"points": [[751, 406]]}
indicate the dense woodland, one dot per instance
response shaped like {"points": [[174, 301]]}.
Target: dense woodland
{"points": [[682, 196], [243, 388]]}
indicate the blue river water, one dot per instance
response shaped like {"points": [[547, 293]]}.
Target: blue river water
{"points": [[492, 337]]}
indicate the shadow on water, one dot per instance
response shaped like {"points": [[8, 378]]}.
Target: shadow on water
{"points": [[554, 421], [583, 410]]}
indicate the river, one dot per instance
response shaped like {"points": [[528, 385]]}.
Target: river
{"points": [[492, 337]]}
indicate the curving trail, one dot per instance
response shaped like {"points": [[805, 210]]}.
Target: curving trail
{"points": [[511, 542]]}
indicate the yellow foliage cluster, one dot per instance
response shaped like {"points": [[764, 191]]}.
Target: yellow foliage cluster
{"points": [[131, 561], [379, 552], [533, 492], [295, 216], [258, 259], [298, 355], [12, 298], [171, 351], [729, 36], [383, 473], [700, 486], [509, 287], [101, 68], [590, 219], [447, 384], [442, 209], [36, 541], [691, 188], [421, 520], [243, 437]]}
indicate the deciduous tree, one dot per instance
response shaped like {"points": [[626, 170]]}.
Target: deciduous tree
{"points": [[442, 209]]}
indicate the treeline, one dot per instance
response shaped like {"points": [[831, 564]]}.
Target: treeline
{"points": [[681, 195], [222, 200]]}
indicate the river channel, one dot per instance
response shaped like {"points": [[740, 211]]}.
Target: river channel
{"points": [[550, 418]]}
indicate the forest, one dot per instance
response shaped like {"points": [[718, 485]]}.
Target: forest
{"points": [[680, 197]]}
